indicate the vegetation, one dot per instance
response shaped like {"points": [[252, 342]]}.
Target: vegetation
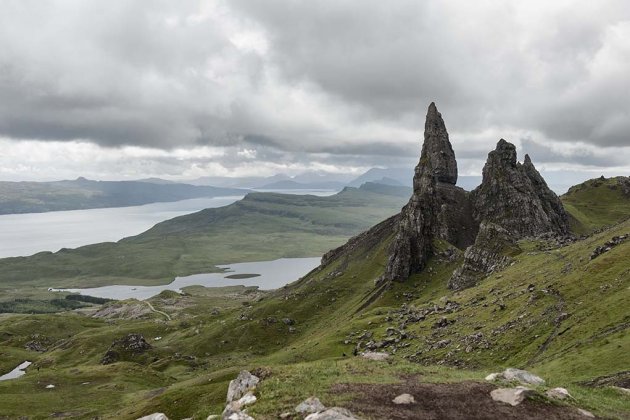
{"points": [[262, 226], [554, 312], [597, 203]]}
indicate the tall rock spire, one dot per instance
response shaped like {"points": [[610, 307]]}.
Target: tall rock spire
{"points": [[437, 148], [433, 208]]}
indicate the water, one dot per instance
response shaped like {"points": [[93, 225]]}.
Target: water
{"points": [[17, 372], [272, 275], [27, 234]]}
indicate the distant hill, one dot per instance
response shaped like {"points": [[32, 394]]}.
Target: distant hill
{"points": [[38, 197], [597, 203], [395, 190], [293, 185], [404, 176], [262, 226]]}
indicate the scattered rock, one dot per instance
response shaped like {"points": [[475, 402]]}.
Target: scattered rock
{"points": [[493, 377], [335, 413], [130, 345], [522, 376], [50, 386], [244, 383], [373, 355], [35, 345], [310, 405], [247, 399], [616, 240], [586, 413], [404, 399], [558, 393], [213, 417], [154, 416], [512, 396]]}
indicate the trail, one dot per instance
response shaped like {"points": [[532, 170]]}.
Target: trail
{"points": [[158, 312]]}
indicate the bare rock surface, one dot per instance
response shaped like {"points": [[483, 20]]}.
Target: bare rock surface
{"points": [[244, 383], [334, 413], [512, 396], [310, 405]]}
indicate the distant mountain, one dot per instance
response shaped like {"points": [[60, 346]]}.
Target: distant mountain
{"points": [[293, 185], [156, 181], [404, 176], [38, 197], [329, 180], [386, 189]]}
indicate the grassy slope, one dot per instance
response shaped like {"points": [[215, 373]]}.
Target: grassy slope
{"points": [[262, 226], [596, 203], [591, 341]]}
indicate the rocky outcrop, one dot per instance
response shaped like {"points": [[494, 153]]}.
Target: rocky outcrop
{"points": [[436, 209], [490, 252], [123, 348], [516, 197]]}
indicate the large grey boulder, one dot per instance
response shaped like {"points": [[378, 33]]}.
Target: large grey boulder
{"points": [[154, 416], [512, 396], [335, 413], [244, 383], [522, 376], [310, 405]]}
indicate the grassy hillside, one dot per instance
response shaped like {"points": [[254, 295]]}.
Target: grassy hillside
{"points": [[263, 226], [597, 203], [37, 197], [554, 312]]}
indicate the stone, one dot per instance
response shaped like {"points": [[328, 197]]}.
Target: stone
{"points": [[50, 386], [335, 413], [244, 383], [493, 377], [437, 147], [558, 393], [373, 355], [213, 417], [488, 254], [239, 415], [404, 399], [586, 413], [512, 396], [247, 399], [522, 376], [154, 416], [310, 405]]}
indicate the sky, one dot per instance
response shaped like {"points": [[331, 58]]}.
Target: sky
{"points": [[126, 89]]}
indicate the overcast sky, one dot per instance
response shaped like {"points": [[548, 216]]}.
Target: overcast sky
{"points": [[116, 89]]}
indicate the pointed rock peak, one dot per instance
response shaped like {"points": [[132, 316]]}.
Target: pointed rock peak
{"points": [[437, 152], [528, 160], [503, 156]]}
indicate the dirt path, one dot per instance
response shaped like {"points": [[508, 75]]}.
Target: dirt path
{"points": [[158, 312], [463, 400]]}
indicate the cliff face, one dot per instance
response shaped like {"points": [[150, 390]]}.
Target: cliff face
{"points": [[512, 202], [435, 207], [516, 197]]}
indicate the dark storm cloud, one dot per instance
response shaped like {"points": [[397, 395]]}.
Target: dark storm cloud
{"points": [[348, 81]]}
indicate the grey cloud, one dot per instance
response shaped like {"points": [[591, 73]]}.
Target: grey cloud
{"points": [[172, 75]]}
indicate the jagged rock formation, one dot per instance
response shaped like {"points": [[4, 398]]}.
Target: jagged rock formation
{"points": [[516, 197], [512, 202], [437, 208], [490, 252]]}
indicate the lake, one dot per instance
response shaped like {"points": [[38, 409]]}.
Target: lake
{"points": [[27, 234], [270, 275]]}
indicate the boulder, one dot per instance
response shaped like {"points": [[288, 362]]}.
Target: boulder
{"points": [[335, 413], [373, 355], [404, 399], [246, 399], [522, 376], [558, 393], [154, 416], [130, 345], [310, 405], [512, 396], [586, 413], [244, 383], [493, 377]]}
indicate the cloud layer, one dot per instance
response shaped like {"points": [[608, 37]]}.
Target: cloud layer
{"points": [[292, 85]]}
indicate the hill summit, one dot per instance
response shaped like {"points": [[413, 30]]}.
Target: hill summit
{"points": [[512, 202]]}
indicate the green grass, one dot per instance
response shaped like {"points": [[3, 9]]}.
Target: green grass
{"points": [[188, 370], [596, 203]]}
